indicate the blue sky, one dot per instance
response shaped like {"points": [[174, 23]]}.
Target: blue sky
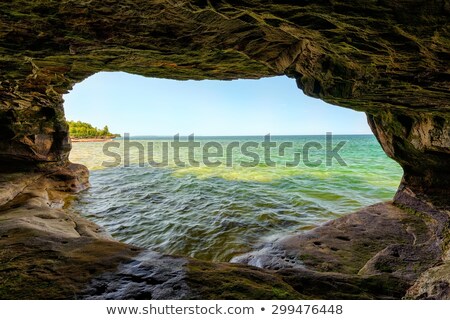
{"points": [[149, 106]]}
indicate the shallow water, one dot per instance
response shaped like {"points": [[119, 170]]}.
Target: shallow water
{"points": [[217, 213]]}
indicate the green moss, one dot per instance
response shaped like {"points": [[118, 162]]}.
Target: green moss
{"points": [[228, 281], [25, 276]]}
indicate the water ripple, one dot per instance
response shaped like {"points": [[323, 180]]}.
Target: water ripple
{"points": [[218, 213]]}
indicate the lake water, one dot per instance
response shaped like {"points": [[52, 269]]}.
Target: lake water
{"points": [[218, 212]]}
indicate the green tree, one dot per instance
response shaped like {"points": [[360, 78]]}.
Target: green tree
{"points": [[85, 130], [105, 132]]}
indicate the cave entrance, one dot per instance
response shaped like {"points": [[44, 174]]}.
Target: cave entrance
{"points": [[220, 203]]}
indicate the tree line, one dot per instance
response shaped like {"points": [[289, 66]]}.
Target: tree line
{"points": [[83, 130]]}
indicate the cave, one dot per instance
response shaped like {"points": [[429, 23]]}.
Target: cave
{"points": [[368, 56]]}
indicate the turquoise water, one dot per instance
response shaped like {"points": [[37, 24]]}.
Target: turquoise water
{"points": [[216, 213]]}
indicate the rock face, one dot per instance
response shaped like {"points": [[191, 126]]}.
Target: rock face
{"points": [[420, 143], [389, 59]]}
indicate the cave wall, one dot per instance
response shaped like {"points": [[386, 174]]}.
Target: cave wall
{"points": [[389, 59], [419, 142], [32, 125]]}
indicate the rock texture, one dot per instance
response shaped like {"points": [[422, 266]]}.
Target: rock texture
{"points": [[420, 143], [378, 245], [389, 59], [433, 284]]}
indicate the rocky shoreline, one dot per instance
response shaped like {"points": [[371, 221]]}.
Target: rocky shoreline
{"points": [[379, 252], [49, 253]]}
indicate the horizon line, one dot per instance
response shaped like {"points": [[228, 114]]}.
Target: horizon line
{"points": [[249, 135]]}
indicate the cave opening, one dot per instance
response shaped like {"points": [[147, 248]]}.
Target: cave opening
{"points": [[217, 212]]}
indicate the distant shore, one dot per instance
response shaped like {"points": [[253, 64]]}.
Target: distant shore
{"points": [[91, 139]]}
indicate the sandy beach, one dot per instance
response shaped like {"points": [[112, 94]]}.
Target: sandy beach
{"points": [[91, 140]]}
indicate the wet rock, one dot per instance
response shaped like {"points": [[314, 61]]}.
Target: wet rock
{"points": [[209, 280], [359, 255], [147, 276], [337, 286], [346, 245]]}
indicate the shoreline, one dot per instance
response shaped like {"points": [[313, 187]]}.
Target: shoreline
{"points": [[91, 139], [366, 254]]}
